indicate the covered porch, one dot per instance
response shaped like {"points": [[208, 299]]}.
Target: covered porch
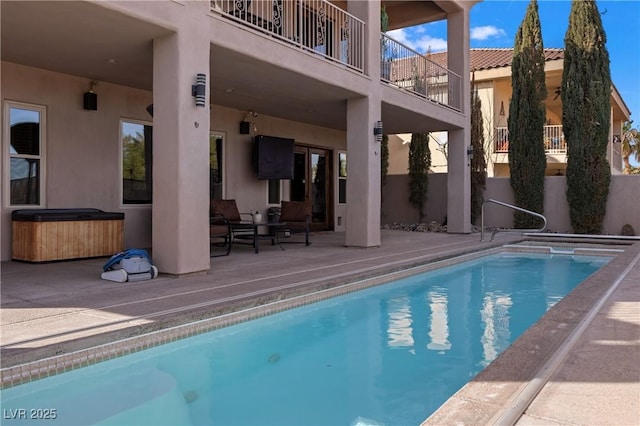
{"points": [[144, 73]]}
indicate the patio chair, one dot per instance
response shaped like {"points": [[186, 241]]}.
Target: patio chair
{"points": [[241, 223], [220, 235], [297, 216]]}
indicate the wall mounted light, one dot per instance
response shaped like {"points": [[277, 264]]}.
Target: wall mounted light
{"points": [[502, 108], [245, 127], [90, 99], [150, 109], [469, 154], [377, 131], [246, 124], [199, 89]]}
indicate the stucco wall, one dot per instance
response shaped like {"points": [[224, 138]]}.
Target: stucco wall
{"points": [[397, 209], [240, 180], [82, 148], [622, 204]]}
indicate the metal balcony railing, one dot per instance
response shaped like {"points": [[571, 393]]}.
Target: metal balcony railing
{"points": [[554, 142], [312, 25], [407, 69]]}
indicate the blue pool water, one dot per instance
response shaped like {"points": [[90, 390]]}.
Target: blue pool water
{"points": [[391, 355]]}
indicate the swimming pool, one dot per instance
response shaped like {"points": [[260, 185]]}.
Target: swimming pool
{"points": [[387, 355]]}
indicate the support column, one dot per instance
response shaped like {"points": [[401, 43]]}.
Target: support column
{"points": [[363, 174], [459, 178], [180, 216], [363, 152]]}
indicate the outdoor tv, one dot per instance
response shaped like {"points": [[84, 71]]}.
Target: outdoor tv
{"points": [[273, 157]]}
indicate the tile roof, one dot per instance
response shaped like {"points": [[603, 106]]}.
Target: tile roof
{"points": [[483, 59]]}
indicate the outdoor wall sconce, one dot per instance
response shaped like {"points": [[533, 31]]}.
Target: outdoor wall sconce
{"points": [[245, 124], [377, 131], [150, 109], [245, 127], [502, 108], [90, 99], [469, 154], [199, 90]]}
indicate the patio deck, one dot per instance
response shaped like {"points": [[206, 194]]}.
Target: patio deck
{"points": [[57, 308]]}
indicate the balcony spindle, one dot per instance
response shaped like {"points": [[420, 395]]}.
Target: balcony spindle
{"points": [[315, 26]]}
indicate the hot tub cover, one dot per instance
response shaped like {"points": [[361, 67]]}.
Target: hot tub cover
{"points": [[59, 215]]}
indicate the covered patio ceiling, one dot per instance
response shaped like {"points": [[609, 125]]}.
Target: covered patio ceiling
{"points": [[96, 42]]}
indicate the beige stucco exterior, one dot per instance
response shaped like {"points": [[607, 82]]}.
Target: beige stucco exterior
{"points": [[493, 86], [494, 90], [143, 53]]}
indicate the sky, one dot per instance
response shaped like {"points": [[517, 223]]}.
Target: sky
{"points": [[494, 24]]}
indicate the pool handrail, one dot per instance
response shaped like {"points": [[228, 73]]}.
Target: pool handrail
{"points": [[511, 206]]}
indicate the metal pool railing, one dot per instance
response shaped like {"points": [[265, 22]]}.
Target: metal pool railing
{"points": [[495, 231]]}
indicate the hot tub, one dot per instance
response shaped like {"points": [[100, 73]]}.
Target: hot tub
{"points": [[43, 235]]}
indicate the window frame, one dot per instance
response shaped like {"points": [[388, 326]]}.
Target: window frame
{"points": [[279, 192], [124, 205], [221, 135], [341, 177], [6, 174]]}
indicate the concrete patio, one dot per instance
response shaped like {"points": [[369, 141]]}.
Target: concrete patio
{"points": [[58, 308]]}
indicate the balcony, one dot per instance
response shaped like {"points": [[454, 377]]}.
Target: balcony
{"points": [[554, 142], [409, 70], [315, 26]]}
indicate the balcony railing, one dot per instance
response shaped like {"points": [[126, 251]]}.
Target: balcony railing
{"points": [[312, 25], [407, 69], [554, 142]]}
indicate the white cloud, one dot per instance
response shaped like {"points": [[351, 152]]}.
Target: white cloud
{"points": [[483, 33], [422, 44]]}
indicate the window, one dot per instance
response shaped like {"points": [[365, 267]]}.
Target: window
{"points": [[137, 176], [342, 177], [274, 196], [25, 125]]}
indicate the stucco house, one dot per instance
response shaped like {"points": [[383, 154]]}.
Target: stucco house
{"points": [[491, 70], [153, 108]]}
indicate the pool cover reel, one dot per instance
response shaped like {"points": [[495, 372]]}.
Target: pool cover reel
{"points": [[129, 265]]}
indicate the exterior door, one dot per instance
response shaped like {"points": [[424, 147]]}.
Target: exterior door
{"points": [[215, 166], [312, 178]]}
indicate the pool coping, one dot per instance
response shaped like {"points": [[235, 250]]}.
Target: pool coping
{"points": [[30, 371], [497, 388], [484, 402]]}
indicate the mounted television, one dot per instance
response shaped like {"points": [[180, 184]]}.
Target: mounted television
{"points": [[273, 157]]}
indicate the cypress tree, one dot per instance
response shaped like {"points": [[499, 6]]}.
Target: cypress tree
{"points": [[384, 159], [478, 163], [527, 158], [586, 105], [419, 163], [384, 168]]}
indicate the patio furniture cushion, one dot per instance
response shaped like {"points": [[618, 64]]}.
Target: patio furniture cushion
{"points": [[295, 211], [241, 229], [220, 235], [226, 208], [297, 216]]}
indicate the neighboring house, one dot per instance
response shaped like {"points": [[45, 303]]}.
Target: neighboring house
{"points": [[491, 69], [151, 109]]}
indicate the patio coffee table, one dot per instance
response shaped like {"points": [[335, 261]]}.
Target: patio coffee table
{"points": [[257, 236]]}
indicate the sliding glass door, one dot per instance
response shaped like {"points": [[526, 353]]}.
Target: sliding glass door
{"points": [[312, 178]]}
